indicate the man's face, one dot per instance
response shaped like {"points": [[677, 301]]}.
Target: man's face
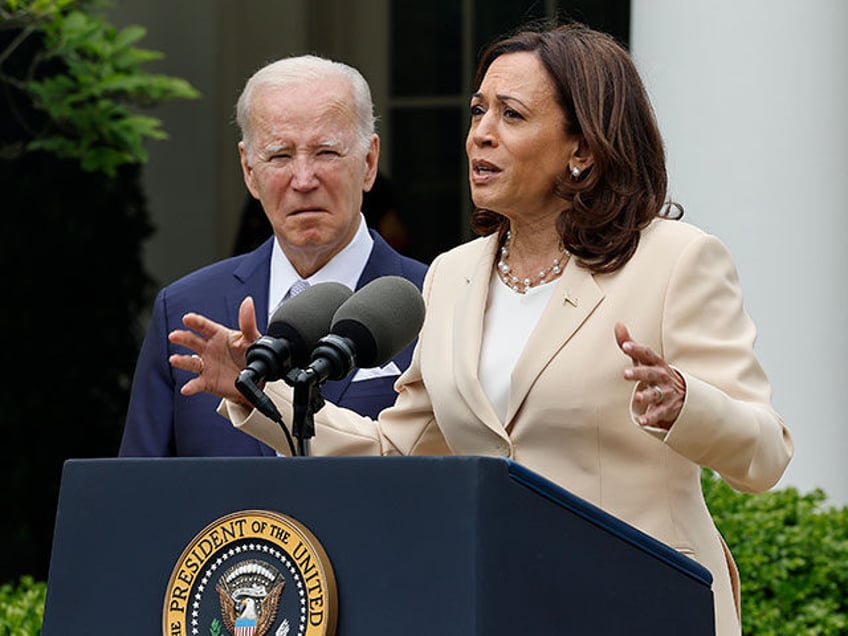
{"points": [[307, 166]]}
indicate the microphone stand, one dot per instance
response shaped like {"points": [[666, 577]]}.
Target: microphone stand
{"points": [[307, 401]]}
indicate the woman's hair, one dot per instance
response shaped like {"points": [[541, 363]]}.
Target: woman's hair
{"points": [[603, 99], [304, 69]]}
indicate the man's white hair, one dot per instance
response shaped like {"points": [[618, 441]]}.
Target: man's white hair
{"points": [[303, 69]]}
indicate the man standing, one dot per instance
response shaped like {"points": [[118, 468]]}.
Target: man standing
{"points": [[308, 152]]}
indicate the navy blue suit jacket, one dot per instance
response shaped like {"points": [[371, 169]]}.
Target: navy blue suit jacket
{"points": [[161, 422]]}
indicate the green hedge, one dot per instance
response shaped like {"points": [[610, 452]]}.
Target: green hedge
{"points": [[792, 553]]}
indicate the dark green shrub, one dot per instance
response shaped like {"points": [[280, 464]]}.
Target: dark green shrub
{"points": [[75, 220], [22, 607], [792, 553]]}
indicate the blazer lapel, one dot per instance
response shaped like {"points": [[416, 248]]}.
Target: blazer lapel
{"points": [[575, 298], [468, 337]]}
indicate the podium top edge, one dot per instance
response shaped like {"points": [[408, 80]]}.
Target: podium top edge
{"points": [[511, 469]]}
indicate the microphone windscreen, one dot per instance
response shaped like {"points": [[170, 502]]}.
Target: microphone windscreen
{"points": [[380, 319], [304, 319]]}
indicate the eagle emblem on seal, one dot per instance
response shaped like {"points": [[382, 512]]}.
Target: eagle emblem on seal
{"points": [[249, 594]]}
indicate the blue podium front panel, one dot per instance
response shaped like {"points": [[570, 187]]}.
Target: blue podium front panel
{"points": [[446, 545]]}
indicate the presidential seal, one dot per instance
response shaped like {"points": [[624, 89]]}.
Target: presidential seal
{"points": [[252, 573]]}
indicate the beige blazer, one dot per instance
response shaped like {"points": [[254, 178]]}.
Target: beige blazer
{"points": [[570, 410]]}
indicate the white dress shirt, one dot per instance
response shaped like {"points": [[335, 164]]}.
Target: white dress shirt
{"points": [[345, 267]]}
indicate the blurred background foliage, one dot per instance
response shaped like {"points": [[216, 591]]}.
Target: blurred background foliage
{"points": [[75, 219]]}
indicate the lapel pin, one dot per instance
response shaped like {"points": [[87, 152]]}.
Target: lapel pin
{"points": [[568, 298]]}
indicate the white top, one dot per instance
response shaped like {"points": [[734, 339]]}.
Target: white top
{"points": [[345, 267], [509, 321]]}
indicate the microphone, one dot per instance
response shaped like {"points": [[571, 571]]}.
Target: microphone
{"points": [[369, 328], [293, 331]]}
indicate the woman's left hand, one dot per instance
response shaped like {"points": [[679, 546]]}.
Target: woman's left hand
{"points": [[661, 390]]}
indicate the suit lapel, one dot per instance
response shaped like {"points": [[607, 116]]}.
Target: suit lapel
{"points": [[253, 277], [468, 336], [381, 262], [575, 298]]}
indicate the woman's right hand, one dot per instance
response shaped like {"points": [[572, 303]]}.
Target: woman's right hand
{"points": [[220, 353]]}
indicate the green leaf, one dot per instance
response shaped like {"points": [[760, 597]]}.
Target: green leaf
{"points": [[90, 82]]}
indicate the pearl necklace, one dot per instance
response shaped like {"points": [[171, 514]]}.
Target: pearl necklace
{"points": [[522, 285]]}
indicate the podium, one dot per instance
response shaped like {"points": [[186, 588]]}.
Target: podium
{"points": [[433, 545]]}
